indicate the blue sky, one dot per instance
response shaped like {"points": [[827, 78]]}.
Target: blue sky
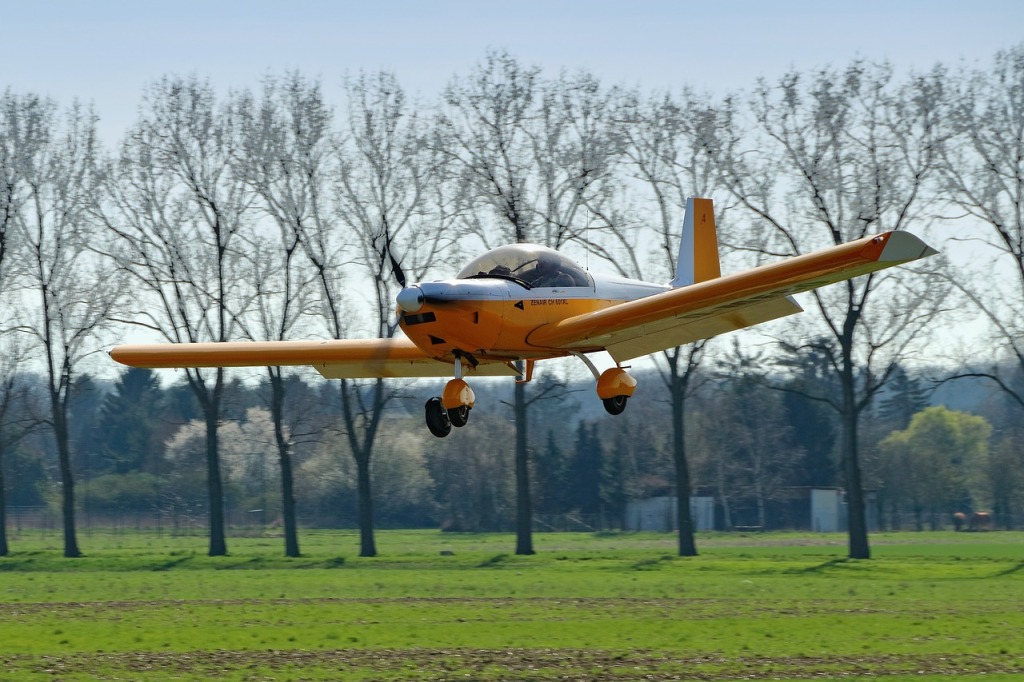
{"points": [[106, 51]]}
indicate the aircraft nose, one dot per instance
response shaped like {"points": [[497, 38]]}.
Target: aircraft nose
{"points": [[410, 299]]}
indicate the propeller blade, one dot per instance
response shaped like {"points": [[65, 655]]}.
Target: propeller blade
{"points": [[396, 268]]}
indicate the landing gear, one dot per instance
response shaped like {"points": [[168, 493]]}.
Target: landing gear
{"points": [[459, 416], [438, 421], [616, 404], [452, 407], [614, 385]]}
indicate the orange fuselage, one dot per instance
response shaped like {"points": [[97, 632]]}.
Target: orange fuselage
{"points": [[493, 329]]}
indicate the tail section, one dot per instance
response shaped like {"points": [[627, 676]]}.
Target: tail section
{"points": [[698, 248]]}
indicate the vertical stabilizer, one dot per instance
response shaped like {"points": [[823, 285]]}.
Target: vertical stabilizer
{"points": [[698, 248]]}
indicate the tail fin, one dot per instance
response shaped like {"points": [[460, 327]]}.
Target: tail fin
{"points": [[698, 248]]}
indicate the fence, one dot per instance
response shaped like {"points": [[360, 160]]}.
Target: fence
{"points": [[196, 523]]}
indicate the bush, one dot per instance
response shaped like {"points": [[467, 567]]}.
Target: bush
{"points": [[121, 492]]}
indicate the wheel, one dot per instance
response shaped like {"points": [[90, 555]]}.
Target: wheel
{"points": [[459, 416], [437, 418], [615, 404]]}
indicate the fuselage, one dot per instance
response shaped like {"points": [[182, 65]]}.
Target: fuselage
{"points": [[491, 308]]}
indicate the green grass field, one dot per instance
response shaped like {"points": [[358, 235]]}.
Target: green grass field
{"points": [[929, 606]]}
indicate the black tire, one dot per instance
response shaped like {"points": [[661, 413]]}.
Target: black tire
{"points": [[459, 416], [615, 404], [437, 418]]}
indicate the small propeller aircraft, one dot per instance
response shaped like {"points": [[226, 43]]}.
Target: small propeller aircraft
{"points": [[523, 303]]}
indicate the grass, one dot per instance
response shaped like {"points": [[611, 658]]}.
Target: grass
{"points": [[586, 607]]}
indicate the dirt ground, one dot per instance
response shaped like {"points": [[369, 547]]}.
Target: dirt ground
{"points": [[503, 664]]}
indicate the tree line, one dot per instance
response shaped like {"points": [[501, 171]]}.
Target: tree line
{"points": [[270, 215], [140, 451]]}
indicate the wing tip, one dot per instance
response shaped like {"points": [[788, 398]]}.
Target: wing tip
{"points": [[902, 247]]}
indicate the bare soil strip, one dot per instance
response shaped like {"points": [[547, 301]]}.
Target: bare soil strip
{"points": [[512, 664]]}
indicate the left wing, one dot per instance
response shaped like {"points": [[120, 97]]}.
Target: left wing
{"points": [[723, 304], [334, 359]]}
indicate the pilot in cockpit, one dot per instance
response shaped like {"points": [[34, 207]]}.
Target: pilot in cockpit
{"points": [[548, 273]]}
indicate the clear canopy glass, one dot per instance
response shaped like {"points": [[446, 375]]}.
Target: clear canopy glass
{"points": [[530, 264]]}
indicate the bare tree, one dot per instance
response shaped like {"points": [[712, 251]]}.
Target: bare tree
{"points": [[284, 156], [483, 130], [25, 129], [76, 292], [536, 156], [25, 122], [835, 156], [982, 180], [390, 200], [669, 143], [178, 209], [18, 414]]}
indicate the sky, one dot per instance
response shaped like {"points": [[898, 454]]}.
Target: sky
{"points": [[106, 51]]}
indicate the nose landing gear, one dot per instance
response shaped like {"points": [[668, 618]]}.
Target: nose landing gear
{"points": [[452, 408], [438, 422]]}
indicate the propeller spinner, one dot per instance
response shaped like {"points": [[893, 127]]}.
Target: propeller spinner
{"points": [[410, 299]]}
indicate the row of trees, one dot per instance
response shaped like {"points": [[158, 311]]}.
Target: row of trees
{"points": [[266, 216]]}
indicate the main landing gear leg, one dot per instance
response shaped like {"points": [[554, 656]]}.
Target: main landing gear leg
{"points": [[614, 385], [452, 408]]}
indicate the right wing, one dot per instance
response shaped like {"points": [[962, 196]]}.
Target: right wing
{"points": [[334, 359], [722, 304]]}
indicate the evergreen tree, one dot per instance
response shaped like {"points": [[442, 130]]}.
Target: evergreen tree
{"points": [[550, 469], [584, 489], [25, 475], [84, 402], [813, 429], [615, 480], [906, 397], [812, 423], [127, 421]]}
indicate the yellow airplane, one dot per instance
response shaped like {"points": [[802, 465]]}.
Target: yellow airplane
{"points": [[524, 303]]}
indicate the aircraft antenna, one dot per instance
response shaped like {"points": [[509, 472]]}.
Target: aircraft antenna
{"points": [[586, 261]]}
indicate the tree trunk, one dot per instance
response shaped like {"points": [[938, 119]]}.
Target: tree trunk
{"points": [[361, 439], [4, 548], [60, 428], [684, 519], [291, 535], [524, 505], [856, 521], [291, 531], [677, 384], [367, 543], [723, 498], [214, 485]]}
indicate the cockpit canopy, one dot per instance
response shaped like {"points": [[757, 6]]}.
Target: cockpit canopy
{"points": [[530, 264]]}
